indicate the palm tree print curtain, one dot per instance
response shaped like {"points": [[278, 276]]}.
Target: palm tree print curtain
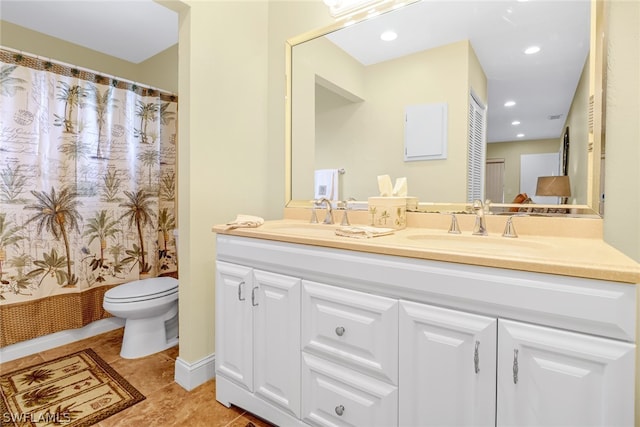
{"points": [[87, 192]]}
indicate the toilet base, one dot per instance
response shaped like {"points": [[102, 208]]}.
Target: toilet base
{"points": [[143, 337]]}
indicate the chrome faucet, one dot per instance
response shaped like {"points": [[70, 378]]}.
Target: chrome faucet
{"points": [[480, 227], [328, 219]]}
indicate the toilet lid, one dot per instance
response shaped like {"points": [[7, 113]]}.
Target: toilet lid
{"points": [[146, 288]]}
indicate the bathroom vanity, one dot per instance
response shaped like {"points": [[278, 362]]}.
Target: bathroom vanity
{"points": [[424, 328]]}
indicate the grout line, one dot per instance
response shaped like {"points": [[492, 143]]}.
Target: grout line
{"points": [[235, 419]]}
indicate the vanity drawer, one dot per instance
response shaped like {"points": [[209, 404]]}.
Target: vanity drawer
{"points": [[334, 395], [353, 328]]}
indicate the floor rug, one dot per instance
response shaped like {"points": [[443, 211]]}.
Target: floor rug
{"points": [[75, 390]]}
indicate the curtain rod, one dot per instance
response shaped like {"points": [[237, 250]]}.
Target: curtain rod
{"points": [[88, 70]]}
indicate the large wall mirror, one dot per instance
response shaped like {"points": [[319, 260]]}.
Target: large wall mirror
{"points": [[349, 92]]}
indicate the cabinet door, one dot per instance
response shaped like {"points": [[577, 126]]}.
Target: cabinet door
{"points": [[234, 326], [276, 320], [551, 377], [447, 367]]}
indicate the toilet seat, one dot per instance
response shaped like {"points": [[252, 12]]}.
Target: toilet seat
{"points": [[150, 308], [142, 290]]}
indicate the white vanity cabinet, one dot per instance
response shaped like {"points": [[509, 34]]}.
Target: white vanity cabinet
{"points": [[309, 335], [258, 333]]}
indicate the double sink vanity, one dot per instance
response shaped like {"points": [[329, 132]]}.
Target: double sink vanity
{"points": [[422, 327]]}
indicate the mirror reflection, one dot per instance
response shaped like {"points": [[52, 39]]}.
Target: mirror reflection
{"points": [[409, 107]]}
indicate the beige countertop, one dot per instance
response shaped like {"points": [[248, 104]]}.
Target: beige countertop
{"points": [[588, 257]]}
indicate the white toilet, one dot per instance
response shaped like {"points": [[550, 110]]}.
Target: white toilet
{"points": [[150, 307]]}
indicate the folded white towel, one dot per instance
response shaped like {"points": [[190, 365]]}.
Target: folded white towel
{"points": [[363, 231], [245, 221]]}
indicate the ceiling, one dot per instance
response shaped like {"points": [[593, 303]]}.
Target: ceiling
{"points": [[543, 85], [132, 30]]}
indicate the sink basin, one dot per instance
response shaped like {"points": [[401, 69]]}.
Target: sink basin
{"points": [[475, 243]]}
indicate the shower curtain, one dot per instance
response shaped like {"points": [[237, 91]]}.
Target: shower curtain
{"points": [[87, 192]]}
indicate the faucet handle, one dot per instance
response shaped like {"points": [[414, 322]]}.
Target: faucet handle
{"points": [[345, 217], [454, 228], [314, 217], [509, 229], [487, 207]]}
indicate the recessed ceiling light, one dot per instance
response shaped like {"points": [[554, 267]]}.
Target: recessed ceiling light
{"points": [[510, 103], [389, 36], [520, 135], [532, 49], [515, 122]]}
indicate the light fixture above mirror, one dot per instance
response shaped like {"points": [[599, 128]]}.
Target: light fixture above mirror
{"points": [[342, 8]]}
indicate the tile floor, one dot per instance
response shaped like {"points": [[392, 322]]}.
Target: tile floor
{"points": [[166, 403]]}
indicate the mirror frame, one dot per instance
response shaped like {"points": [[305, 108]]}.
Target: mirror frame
{"points": [[597, 87]]}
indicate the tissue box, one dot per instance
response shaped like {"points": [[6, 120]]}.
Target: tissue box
{"points": [[390, 212]]}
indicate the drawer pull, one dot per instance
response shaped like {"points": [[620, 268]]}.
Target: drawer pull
{"points": [[515, 366], [240, 297], [339, 410], [476, 357], [340, 331], [253, 297]]}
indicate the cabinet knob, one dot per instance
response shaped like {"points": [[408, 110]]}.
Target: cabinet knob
{"points": [[340, 331], [339, 410]]}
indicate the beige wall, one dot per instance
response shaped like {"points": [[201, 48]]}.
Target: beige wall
{"points": [[223, 146], [328, 86], [477, 78], [511, 152], [159, 71], [365, 136], [622, 163]]}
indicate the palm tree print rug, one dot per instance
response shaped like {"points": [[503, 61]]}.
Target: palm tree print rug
{"points": [[79, 389]]}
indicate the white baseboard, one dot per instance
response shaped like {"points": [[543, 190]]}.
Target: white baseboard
{"points": [[46, 342], [191, 375]]}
